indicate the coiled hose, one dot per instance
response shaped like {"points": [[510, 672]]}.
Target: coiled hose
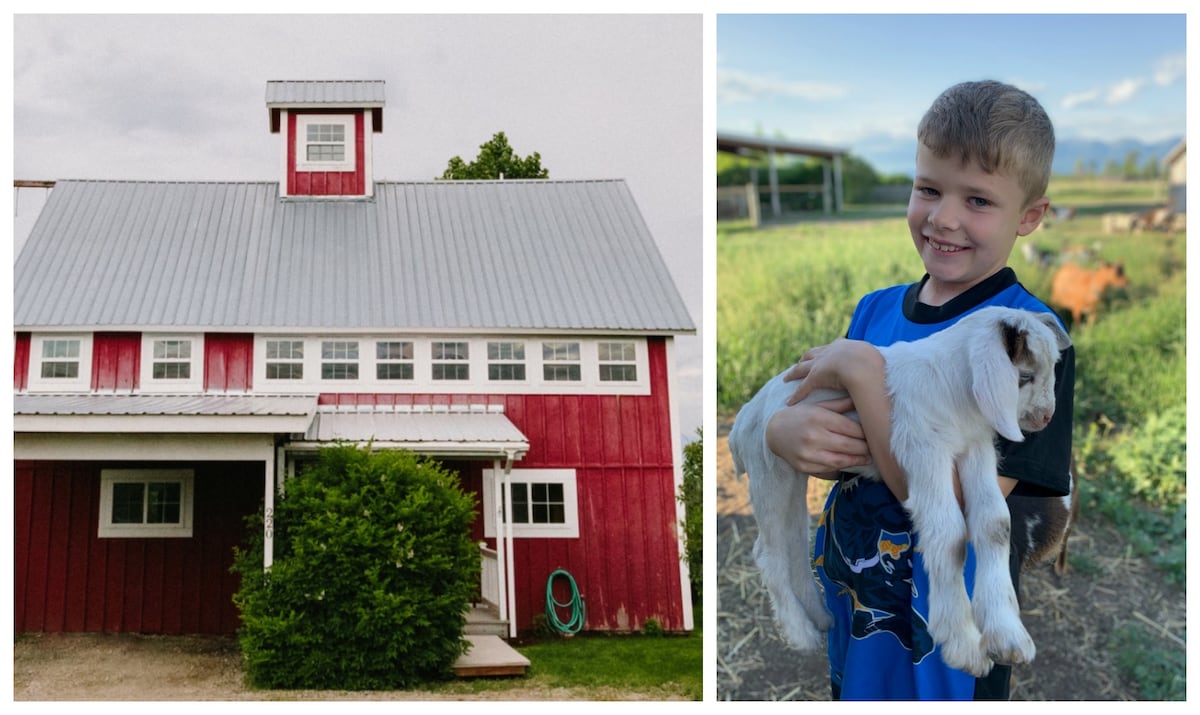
{"points": [[575, 603]]}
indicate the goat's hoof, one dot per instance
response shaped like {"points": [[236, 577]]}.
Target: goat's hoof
{"points": [[802, 637], [1012, 650], [964, 656]]}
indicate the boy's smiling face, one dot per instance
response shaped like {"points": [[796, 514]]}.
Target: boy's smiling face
{"points": [[964, 222]]}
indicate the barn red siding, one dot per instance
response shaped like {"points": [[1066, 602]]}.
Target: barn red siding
{"points": [[328, 183], [626, 559], [116, 361], [228, 362], [66, 579], [21, 361]]}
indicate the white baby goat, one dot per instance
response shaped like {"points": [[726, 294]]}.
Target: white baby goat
{"points": [[991, 372]]}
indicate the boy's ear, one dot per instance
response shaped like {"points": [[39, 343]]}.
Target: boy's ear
{"points": [[1033, 216]]}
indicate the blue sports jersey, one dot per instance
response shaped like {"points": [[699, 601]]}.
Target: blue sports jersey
{"points": [[866, 553]]}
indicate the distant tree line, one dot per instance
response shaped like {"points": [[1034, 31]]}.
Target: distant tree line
{"points": [[859, 178], [1113, 169]]}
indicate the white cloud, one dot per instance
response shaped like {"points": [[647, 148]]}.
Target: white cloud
{"points": [[738, 86], [1123, 91], [1170, 68], [1074, 100]]}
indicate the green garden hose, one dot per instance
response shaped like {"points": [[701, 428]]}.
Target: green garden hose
{"points": [[578, 611]]}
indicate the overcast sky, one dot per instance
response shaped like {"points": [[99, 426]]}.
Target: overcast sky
{"points": [[182, 97]]}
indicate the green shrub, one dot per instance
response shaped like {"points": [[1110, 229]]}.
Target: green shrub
{"points": [[373, 571], [691, 495]]}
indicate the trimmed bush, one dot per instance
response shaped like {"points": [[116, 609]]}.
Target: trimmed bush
{"points": [[373, 572]]}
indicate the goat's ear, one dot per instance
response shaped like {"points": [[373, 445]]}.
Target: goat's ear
{"points": [[994, 381], [1060, 335]]}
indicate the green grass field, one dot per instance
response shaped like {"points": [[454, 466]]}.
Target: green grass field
{"points": [[785, 288]]}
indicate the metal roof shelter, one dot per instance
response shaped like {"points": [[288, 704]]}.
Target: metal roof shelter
{"points": [[832, 190], [501, 256]]}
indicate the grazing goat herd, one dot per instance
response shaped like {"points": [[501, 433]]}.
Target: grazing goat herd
{"points": [[932, 435]]}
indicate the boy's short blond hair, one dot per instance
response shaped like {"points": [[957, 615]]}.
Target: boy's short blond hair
{"points": [[996, 125]]}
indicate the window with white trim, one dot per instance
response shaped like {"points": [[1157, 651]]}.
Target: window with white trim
{"points": [[560, 362], [172, 363], [506, 361], [285, 359], [146, 503], [618, 361], [394, 360], [450, 360], [60, 358], [60, 362], [325, 142], [339, 360], [545, 503]]}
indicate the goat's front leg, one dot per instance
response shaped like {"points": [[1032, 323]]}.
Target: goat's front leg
{"points": [[997, 611], [942, 535]]}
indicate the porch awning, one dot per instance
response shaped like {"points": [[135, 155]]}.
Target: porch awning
{"points": [[126, 413], [436, 433]]}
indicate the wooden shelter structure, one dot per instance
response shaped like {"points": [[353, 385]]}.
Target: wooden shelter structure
{"points": [[831, 187]]}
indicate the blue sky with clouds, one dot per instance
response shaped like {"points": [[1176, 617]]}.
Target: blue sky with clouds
{"points": [[862, 82]]}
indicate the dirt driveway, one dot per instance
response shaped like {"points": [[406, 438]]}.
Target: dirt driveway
{"points": [[1074, 620], [100, 667]]}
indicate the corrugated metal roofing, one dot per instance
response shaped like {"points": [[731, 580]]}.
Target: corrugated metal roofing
{"points": [[164, 405], [282, 93], [496, 255], [446, 428]]}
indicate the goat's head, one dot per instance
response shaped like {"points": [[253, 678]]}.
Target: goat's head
{"points": [[1012, 354]]}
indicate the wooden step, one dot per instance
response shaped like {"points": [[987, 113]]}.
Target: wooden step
{"points": [[488, 656], [484, 621]]}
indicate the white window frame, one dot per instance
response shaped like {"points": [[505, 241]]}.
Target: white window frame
{"points": [[182, 530], [507, 358], [304, 121], [194, 383], [602, 361], [410, 361], [339, 345], [569, 529], [81, 382], [557, 362], [261, 363], [455, 362]]}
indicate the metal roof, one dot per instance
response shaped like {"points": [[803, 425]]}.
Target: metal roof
{"points": [[164, 405], [503, 256], [359, 93], [442, 432]]}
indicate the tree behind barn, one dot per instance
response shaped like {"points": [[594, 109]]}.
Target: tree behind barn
{"points": [[497, 160]]}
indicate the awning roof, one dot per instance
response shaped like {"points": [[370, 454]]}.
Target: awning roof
{"points": [[225, 414], [474, 434]]}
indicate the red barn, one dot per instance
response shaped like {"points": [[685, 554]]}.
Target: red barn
{"points": [[182, 346]]}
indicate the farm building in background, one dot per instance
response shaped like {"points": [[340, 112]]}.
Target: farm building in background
{"points": [[183, 347], [1175, 164]]}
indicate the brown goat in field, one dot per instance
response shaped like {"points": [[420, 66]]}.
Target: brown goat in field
{"points": [[1079, 290]]}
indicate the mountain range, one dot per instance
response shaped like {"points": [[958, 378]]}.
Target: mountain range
{"points": [[889, 156]]}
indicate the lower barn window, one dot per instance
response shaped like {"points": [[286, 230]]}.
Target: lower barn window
{"points": [[506, 361], [544, 503], [560, 362], [285, 359], [172, 360], [146, 503], [339, 360]]}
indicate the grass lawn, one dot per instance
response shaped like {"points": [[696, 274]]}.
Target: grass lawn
{"points": [[605, 667]]}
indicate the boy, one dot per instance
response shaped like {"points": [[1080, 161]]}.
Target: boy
{"points": [[982, 167]]}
